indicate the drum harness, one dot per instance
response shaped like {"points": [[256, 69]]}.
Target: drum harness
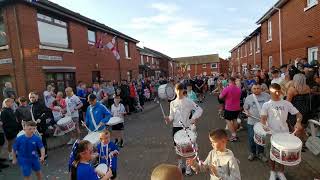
{"points": [[107, 155]]}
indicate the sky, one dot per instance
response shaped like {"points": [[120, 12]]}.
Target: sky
{"points": [[178, 28]]}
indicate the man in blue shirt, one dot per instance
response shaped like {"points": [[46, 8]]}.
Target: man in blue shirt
{"points": [[26, 147], [97, 114]]}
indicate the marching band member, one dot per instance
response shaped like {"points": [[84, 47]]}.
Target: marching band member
{"points": [[180, 110]]}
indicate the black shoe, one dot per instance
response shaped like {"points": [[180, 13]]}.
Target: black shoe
{"points": [[121, 143], [3, 166]]}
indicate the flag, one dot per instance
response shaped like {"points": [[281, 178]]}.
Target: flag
{"points": [[112, 46]]}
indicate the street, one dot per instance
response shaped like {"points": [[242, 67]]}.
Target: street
{"points": [[148, 143]]}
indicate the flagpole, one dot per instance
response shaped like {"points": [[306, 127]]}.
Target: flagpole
{"points": [[119, 68]]}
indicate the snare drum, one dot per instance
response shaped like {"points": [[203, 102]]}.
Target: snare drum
{"points": [[260, 134], [166, 91], [285, 149], [93, 138], [114, 121], [183, 144], [66, 124], [102, 168]]}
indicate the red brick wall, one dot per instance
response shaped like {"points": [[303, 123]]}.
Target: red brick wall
{"points": [[85, 58]]}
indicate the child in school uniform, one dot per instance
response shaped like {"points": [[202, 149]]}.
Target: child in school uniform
{"points": [[220, 162], [118, 110], [26, 147], [81, 169], [274, 115], [107, 152]]}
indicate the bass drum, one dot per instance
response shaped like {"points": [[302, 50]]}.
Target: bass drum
{"points": [[166, 91]]}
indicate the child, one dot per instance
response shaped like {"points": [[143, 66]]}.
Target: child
{"points": [[81, 168], [118, 110], [26, 147], [108, 151], [191, 94], [56, 110], [180, 110], [23, 113], [166, 172], [220, 162], [275, 113]]}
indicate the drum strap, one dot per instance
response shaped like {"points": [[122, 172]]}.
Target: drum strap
{"points": [[257, 103], [102, 152], [32, 117], [92, 119]]}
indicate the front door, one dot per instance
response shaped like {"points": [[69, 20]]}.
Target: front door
{"points": [[96, 76]]}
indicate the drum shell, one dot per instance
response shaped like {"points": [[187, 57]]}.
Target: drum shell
{"points": [[260, 134], [102, 168], [93, 138], [66, 124], [185, 147]]}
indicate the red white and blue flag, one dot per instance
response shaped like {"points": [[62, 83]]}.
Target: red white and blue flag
{"points": [[112, 46]]}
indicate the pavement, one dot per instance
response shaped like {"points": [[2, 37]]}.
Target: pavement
{"points": [[148, 142]]}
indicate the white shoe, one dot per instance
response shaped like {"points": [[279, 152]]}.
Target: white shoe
{"points": [[71, 141], [281, 176], [10, 157], [273, 175], [238, 120], [188, 171]]}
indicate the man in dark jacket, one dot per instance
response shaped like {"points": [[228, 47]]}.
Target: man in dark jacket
{"points": [[125, 94], [39, 114]]}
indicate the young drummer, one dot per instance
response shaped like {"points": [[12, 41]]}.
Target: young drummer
{"points": [[108, 151], [274, 114], [220, 162], [26, 147], [81, 169], [180, 110], [118, 110]]}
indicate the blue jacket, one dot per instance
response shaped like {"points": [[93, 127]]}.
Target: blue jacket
{"points": [[111, 147], [100, 114]]}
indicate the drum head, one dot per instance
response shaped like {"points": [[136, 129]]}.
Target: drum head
{"points": [[170, 92], [103, 168], [114, 121], [64, 120], [286, 141], [181, 137], [258, 128], [92, 137]]}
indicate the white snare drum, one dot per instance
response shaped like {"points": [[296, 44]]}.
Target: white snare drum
{"points": [[183, 144], [36, 133], [259, 134], [285, 149], [166, 91], [66, 124], [102, 168], [93, 138], [114, 121]]}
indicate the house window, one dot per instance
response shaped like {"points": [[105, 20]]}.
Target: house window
{"points": [[3, 36], [213, 65], [245, 50], [269, 30], [152, 61], [204, 66], [270, 61], [52, 32], [147, 59], [91, 37], [238, 53], [250, 50], [141, 59], [258, 43], [127, 50], [61, 80], [312, 54], [188, 67], [311, 3]]}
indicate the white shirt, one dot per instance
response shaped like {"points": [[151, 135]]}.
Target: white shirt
{"points": [[210, 81], [277, 80], [277, 113], [116, 110], [72, 102], [180, 110], [48, 98]]}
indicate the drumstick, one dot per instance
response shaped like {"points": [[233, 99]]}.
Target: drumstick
{"points": [[164, 115], [85, 126], [250, 115]]}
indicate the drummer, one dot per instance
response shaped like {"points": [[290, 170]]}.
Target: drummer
{"points": [[180, 110], [274, 113], [97, 114], [252, 107]]}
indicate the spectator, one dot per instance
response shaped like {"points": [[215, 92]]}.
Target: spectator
{"points": [[8, 91], [49, 96], [110, 92], [2, 141], [276, 77], [124, 94], [23, 113], [166, 172]]}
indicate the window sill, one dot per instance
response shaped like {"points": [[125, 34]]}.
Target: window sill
{"points": [[310, 6], [4, 47], [257, 51], [269, 40], [128, 58], [250, 54], [56, 49]]}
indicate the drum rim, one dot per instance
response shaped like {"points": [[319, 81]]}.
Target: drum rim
{"points": [[194, 138], [280, 146]]}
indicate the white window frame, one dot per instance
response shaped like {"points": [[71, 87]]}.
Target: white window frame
{"points": [[238, 54], [204, 66], [215, 65], [141, 59], [152, 61], [126, 49], [245, 50], [250, 50], [269, 32], [312, 54], [147, 59], [310, 4], [91, 41], [241, 52], [189, 67], [270, 62], [258, 43]]}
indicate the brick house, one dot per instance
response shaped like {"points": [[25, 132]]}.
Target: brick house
{"points": [[155, 64], [247, 54], [201, 65], [290, 30], [45, 43]]}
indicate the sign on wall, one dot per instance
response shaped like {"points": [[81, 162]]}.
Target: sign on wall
{"points": [[6, 61], [49, 58]]}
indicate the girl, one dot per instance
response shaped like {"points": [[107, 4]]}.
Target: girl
{"points": [[81, 168]]}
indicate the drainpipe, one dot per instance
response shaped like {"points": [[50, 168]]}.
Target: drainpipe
{"points": [[280, 34]]}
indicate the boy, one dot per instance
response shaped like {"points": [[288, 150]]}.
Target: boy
{"points": [[108, 151], [275, 113], [191, 94], [166, 172], [180, 110], [26, 147], [118, 110], [220, 162], [23, 113]]}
